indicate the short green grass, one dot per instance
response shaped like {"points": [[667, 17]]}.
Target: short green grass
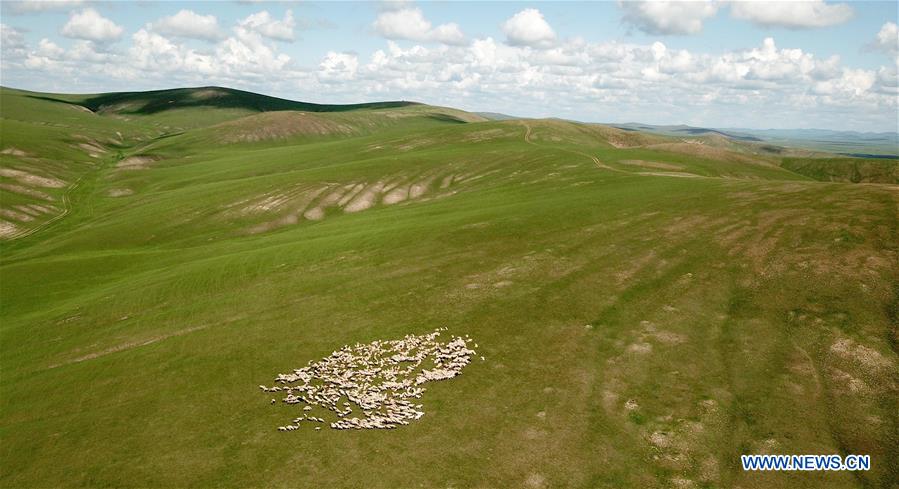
{"points": [[639, 329]]}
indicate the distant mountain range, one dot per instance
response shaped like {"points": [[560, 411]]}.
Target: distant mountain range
{"points": [[850, 143], [683, 130]]}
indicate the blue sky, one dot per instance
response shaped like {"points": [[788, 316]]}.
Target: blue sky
{"points": [[716, 63]]}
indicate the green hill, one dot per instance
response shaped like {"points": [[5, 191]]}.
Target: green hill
{"points": [[153, 102], [648, 308], [855, 170]]}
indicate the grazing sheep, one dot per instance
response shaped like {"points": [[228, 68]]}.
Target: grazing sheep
{"points": [[379, 378]]}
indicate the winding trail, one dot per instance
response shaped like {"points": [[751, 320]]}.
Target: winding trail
{"points": [[66, 207], [599, 164]]}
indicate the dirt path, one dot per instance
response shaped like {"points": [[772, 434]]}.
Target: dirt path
{"points": [[66, 207], [599, 164], [812, 367], [128, 346], [66, 196]]}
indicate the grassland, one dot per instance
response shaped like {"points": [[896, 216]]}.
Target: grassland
{"points": [[648, 308]]}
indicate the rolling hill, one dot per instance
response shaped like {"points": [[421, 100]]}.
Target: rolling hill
{"points": [[846, 143], [648, 307]]}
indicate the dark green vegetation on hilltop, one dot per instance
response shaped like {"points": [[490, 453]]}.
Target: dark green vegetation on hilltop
{"points": [[649, 307]]}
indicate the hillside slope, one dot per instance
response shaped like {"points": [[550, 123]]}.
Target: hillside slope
{"points": [[647, 308], [855, 170]]}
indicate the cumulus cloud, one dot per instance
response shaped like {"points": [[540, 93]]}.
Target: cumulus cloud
{"points": [[11, 38], [338, 67], [189, 24], [31, 6], [248, 51], [532, 75], [410, 23], [665, 17], [268, 26], [243, 58], [529, 28], [851, 83], [630, 80], [48, 48], [89, 25], [887, 39], [796, 14]]}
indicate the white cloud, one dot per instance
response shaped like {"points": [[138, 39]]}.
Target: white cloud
{"points": [[617, 81], [87, 51], [664, 17], [11, 39], [91, 26], [264, 24], [630, 80], [888, 78], [796, 14], [49, 57], [189, 24], [391, 5], [150, 51], [248, 52], [241, 57], [826, 69], [410, 23], [852, 83], [338, 67], [49, 49], [529, 28], [31, 6], [887, 40]]}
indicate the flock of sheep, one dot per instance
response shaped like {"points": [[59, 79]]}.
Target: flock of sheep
{"points": [[372, 386]]}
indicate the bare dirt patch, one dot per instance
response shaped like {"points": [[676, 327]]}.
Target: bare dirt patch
{"points": [[15, 215], [140, 162], [270, 126], [43, 209], [18, 189], [120, 192], [415, 144], [269, 203], [27, 210], [128, 346], [635, 266], [852, 351], [30, 179], [352, 191], [447, 181], [13, 152], [669, 174], [485, 135], [365, 199], [535, 481], [93, 150], [8, 229], [396, 195], [314, 214], [419, 188], [657, 165]]}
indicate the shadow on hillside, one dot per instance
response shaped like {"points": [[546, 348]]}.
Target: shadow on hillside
{"points": [[446, 118]]}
